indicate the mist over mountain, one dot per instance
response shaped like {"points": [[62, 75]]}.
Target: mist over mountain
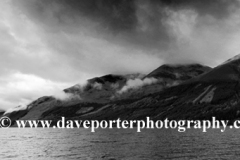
{"points": [[180, 92]]}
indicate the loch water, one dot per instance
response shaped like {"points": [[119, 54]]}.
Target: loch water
{"points": [[118, 144]]}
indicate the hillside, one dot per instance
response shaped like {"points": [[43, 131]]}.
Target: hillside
{"points": [[159, 100], [179, 72], [108, 88], [214, 93]]}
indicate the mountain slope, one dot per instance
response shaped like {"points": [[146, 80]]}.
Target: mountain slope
{"points": [[96, 102], [227, 72], [108, 88], [101, 89], [180, 72]]}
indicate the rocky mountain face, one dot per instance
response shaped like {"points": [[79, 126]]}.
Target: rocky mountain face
{"points": [[110, 88], [101, 89], [199, 93], [179, 72]]}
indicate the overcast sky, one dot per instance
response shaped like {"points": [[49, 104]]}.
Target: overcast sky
{"points": [[49, 45]]}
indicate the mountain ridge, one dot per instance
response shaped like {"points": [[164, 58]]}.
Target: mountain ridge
{"points": [[199, 97]]}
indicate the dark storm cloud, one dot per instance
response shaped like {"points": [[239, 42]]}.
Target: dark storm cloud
{"points": [[217, 8], [121, 15], [138, 22], [143, 23], [117, 14]]}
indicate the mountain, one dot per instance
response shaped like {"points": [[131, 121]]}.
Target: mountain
{"points": [[100, 97], [226, 72], [214, 93], [108, 88], [167, 75], [179, 72], [101, 89], [200, 93]]}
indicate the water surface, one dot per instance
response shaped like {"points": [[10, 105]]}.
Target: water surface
{"points": [[66, 144]]}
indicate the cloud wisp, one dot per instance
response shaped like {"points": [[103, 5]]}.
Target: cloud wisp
{"points": [[137, 83]]}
